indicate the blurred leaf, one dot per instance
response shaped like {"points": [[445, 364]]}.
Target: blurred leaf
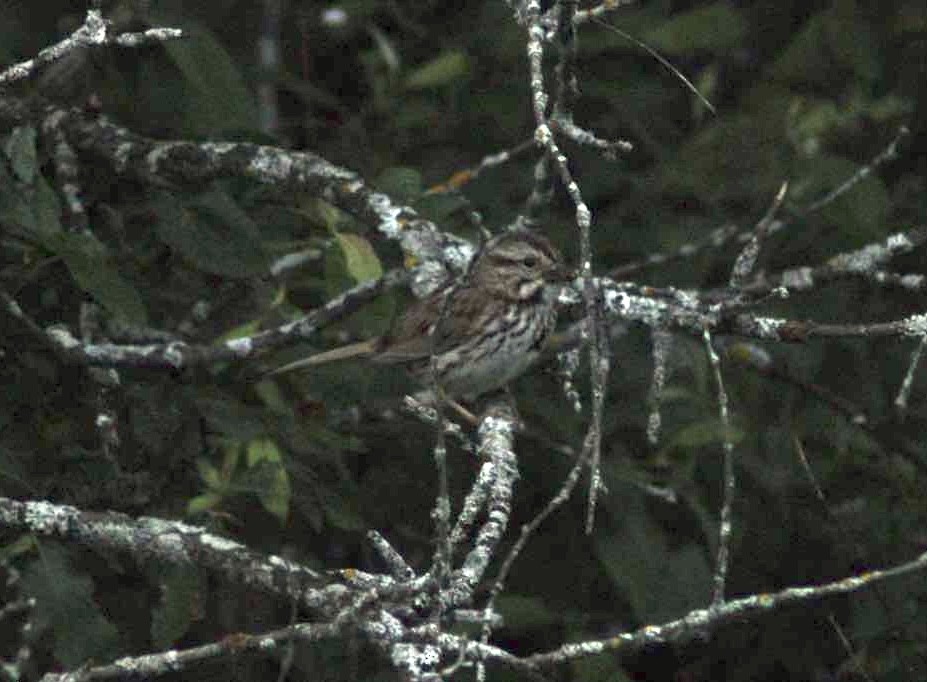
{"points": [[715, 28], [860, 214], [730, 160], [441, 205], [263, 450], [361, 261], [220, 99], [834, 41], [212, 232], [356, 258], [401, 184], [520, 612], [444, 69], [231, 455], [203, 503], [33, 210], [177, 608], [268, 391], [702, 433], [95, 272], [270, 481], [662, 578], [157, 412], [241, 331], [23, 545], [65, 605], [210, 474], [341, 508], [230, 418], [20, 150]]}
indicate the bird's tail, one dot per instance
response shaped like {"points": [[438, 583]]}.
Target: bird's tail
{"points": [[361, 349]]}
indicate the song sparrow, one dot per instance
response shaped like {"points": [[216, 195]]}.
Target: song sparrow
{"points": [[491, 325]]}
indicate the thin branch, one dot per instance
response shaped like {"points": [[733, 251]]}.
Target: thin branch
{"points": [[888, 154], [182, 660], [178, 354], [746, 259], [699, 623], [94, 31], [730, 480], [901, 400]]}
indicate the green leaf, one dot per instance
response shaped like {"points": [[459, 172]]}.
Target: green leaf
{"points": [[731, 159], [229, 417], [275, 493], [32, 210], [269, 393], [213, 233], [65, 606], [210, 474], [241, 331], [713, 28], [662, 578], [19, 547], [263, 450], [218, 96], [701, 433], [446, 68], [231, 455], [93, 268], [860, 214], [521, 612], [177, 608], [834, 41], [360, 260], [20, 150], [340, 507], [441, 205], [402, 184], [203, 503], [273, 486]]}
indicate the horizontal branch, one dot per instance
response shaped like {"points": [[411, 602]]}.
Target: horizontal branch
{"points": [[179, 660], [94, 31], [700, 622], [192, 163], [180, 355], [173, 542]]}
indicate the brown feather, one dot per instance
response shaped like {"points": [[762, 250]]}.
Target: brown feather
{"points": [[490, 324], [361, 349]]}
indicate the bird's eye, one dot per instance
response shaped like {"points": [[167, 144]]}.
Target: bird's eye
{"points": [[530, 261]]}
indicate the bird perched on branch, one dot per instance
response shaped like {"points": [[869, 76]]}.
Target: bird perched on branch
{"points": [[476, 334]]}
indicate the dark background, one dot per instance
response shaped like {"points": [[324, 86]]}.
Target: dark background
{"points": [[406, 94]]}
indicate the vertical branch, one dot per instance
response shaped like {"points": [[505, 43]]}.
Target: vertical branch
{"points": [[565, 71], [599, 366], [527, 531], [598, 350], [496, 435], [730, 482], [901, 400], [662, 343], [442, 511]]}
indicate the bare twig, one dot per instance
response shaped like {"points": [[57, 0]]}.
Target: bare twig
{"points": [[94, 31]]}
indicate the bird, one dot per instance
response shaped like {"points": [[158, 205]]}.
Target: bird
{"points": [[478, 333]]}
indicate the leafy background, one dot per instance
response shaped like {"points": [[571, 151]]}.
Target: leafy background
{"points": [[408, 93]]}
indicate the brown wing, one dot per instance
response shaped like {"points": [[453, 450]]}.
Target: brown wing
{"points": [[409, 339]]}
